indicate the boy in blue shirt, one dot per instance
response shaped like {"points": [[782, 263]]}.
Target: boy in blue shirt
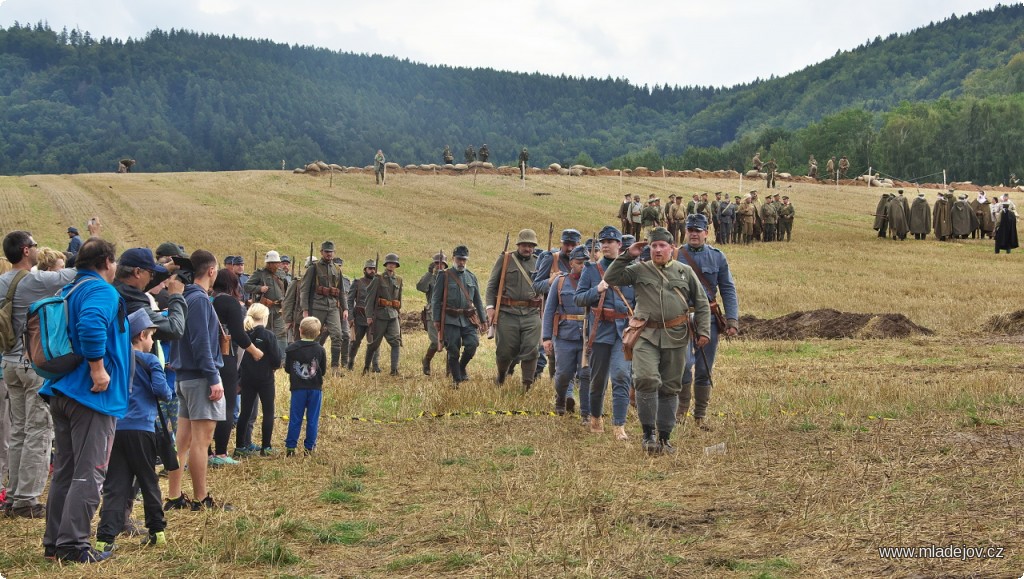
{"points": [[135, 444], [305, 362]]}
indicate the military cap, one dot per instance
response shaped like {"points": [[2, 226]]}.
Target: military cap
{"points": [[230, 260], [737, 197], [571, 236], [392, 258], [73, 230], [785, 196], [285, 259], [272, 257], [527, 236], [579, 252], [609, 232], [370, 264], [440, 257], [697, 221], [651, 196], [660, 234], [338, 261], [461, 251], [717, 193], [168, 249], [672, 196], [627, 240], [704, 194], [327, 246], [239, 260]]}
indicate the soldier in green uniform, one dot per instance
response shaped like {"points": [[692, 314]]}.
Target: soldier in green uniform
{"points": [[447, 155], [769, 217], [769, 171], [844, 166], [777, 204], [786, 215], [470, 154], [649, 216], [357, 302], [266, 287], [485, 153], [322, 296], [383, 302], [379, 168], [346, 334], [524, 158], [665, 291], [513, 309], [458, 311], [426, 285]]}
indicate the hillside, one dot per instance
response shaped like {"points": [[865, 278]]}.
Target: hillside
{"points": [[180, 100]]}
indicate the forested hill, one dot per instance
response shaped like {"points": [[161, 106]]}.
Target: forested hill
{"points": [[181, 100]]}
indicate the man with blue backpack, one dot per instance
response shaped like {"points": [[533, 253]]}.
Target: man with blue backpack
{"points": [[86, 403]]}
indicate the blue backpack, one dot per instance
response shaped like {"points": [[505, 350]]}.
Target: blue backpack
{"points": [[47, 337]]}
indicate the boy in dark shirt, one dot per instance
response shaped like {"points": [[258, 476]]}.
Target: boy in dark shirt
{"points": [[305, 362]]}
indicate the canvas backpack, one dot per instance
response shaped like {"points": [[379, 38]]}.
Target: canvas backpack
{"points": [[7, 335]]}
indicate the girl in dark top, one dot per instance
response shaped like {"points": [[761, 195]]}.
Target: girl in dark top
{"points": [[232, 315], [257, 377]]}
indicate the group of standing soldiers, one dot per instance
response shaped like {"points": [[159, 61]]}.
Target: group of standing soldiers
{"points": [[831, 167], [895, 217]]}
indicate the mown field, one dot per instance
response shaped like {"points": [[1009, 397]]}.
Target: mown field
{"points": [[834, 447]]}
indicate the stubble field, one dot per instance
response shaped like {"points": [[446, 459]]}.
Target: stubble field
{"points": [[834, 448]]}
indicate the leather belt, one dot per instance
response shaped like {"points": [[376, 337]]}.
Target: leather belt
{"points": [[389, 303], [332, 292], [459, 312], [534, 303], [609, 314], [669, 324], [570, 317]]}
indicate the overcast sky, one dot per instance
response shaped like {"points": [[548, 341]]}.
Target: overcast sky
{"points": [[677, 42]]}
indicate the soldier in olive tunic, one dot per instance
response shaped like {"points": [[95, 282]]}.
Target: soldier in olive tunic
{"points": [[426, 285], [322, 296], [769, 216], [524, 159], [455, 297], [447, 155], [269, 289], [515, 314], [383, 302], [665, 291], [786, 215], [357, 301]]}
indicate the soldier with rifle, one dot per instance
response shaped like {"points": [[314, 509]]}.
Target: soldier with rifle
{"points": [[524, 158], [458, 313], [562, 331], [265, 286], [470, 154], [383, 304], [549, 265], [611, 307], [426, 285], [359, 325], [322, 295], [513, 308], [447, 155]]}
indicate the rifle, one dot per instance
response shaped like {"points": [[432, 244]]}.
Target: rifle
{"points": [[444, 306], [551, 231], [312, 282], [501, 287]]}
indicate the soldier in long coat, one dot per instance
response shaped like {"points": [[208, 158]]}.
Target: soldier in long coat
{"points": [[897, 212], [962, 218], [940, 216], [920, 217]]}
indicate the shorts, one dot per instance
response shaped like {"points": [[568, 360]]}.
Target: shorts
{"points": [[194, 401]]}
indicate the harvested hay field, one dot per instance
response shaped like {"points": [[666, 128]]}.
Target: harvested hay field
{"points": [[830, 325], [1011, 324]]}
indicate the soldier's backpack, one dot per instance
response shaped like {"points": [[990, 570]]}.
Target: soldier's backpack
{"points": [[47, 336], [7, 336]]}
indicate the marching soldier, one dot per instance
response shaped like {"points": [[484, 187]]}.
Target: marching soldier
{"points": [[552, 263], [562, 331], [321, 295], [513, 309], [665, 290], [426, 285], [712, 271], [266, 287], [458, 313], [524, 158], [447, 155], [383, 302], [357, 301], [786, 215], [769, 171], [379, 167], [611, 307]]}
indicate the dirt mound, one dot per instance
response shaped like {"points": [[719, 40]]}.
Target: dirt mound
{"points": [[830, 324], [1007, 324], [411, 321]]}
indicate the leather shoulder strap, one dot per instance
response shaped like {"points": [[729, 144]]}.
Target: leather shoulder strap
{"points": [[700, 276]]}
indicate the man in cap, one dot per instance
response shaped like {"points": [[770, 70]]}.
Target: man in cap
{"points": [[769, 171], [357, 302], [267, 288], [549, 265], [562, 329], [379, 167], [458, 313], [514, 311], [346, 333], [920, 217], [469, 154], [727, 219], [236, 263], [610, 307], [624, 209], [426, 285], [322, 296], [285, 270], [676, 215], [769, 217], [484, 153], [74, 244], [786, 215], [383, 303], [137, 273], [941, 215], [636, 216], [650, 217], [712, 270], [716, 207], [665, 290], [447, 156], [524, 158]]}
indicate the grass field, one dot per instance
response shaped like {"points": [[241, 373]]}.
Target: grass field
{"points": [[835, 448]]}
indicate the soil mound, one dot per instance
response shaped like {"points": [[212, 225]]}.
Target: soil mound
{"points": [[1007, 324], [411, 321], [831, 325]]}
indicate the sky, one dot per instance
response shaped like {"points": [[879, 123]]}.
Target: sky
{"points": [[652, 42]]}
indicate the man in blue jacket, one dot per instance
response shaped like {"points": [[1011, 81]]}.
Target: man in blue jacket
{"points": [[86, 404]]}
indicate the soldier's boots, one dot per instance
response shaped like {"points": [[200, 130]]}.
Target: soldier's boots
{"points": [[504, 369], [663, 442], [529, 373], [559, 405], [551, 365], [463, 362], [426, 360], [701, 399], [453, 370], [395, 352]]}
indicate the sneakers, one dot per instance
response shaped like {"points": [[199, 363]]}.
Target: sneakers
{"points": [[208, 504], [156, 539], [268, 451], [650, 444], [36, 511], [289, 452], [308, 451], [87, 555], [105, 546], [179, 503], [216, 461], [245, 452], [620, 433]]}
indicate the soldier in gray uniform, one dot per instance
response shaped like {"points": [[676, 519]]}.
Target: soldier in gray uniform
{"points": [[357, 302], [513, 309], [266, 287], [346, 334], [458, 313], [383, 302], [665, 290], [426, 285], [321, 295]]}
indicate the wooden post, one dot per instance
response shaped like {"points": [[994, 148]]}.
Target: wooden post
{"points": [[331, 184], [944, 179]]}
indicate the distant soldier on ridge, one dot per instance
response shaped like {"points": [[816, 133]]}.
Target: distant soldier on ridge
{"points": [[485, 153], [757, 161], [379, 167], [125, 165], [470, 154], [447, 155], [844, 166], [524, 158], [812, 169]]}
